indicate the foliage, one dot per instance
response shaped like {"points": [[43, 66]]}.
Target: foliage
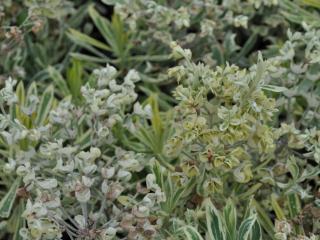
{"points": [[160, 119], [27, 33]]}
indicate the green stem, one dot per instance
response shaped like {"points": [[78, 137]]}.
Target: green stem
{"points": [[164, 162]]}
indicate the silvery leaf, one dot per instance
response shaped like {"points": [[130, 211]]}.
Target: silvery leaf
{"points": [[48, 183]]}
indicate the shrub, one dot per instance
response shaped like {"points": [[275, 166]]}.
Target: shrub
{"points": [[168, 120]]}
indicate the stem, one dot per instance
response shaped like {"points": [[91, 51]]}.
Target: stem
{"points": [[70, 234], [188, 155], [69, 217], [289, 115], [164, 162], [85, 213], [100, 212]]}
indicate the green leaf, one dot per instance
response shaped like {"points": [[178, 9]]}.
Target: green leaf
{"points": [[309, 173], [156, 169], [293, 168], [58, 80], [264, 219], [88, 58], [256, 233], [277, 209], [247, 46], [293, 12], [229, 44], [218, 56], [105, 28], [112, 2], [20, 222], [313, 3], [84, 140], [250, 192], [13, 112], [121, 35], [8, 200], [294, 205], [32, 90], [215, 229], [114, 33], [74, 78], [83, 40], [246, 227], [259, 73], [21, 93], [156, 119], [3, 226], [157, 124], [151, 58], [273, 88], [174, 200], [191, 233], [45, 105], [146, 137], [230, 218]]}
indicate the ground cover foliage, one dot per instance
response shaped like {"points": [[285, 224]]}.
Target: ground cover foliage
{"points": [[158, 119]]}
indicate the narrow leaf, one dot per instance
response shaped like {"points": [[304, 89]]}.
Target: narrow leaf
{"points": [[248, 46], [74, 77], [88, 58], [218, 56], [230, 218], [277, 209], [20, 93], [250, 192], [313, 3], [105, 28], [84, 140], [191, 233], [246, 227], [83, 39], [264, 219], [256, 233], [45, 106], [294, 210], [294, 205], [214, 223], [58, 80], [32, 90], [8, 200], [273, 88], [20, 222]]}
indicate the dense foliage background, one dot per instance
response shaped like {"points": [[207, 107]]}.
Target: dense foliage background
{"points": [[160, 119]]}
